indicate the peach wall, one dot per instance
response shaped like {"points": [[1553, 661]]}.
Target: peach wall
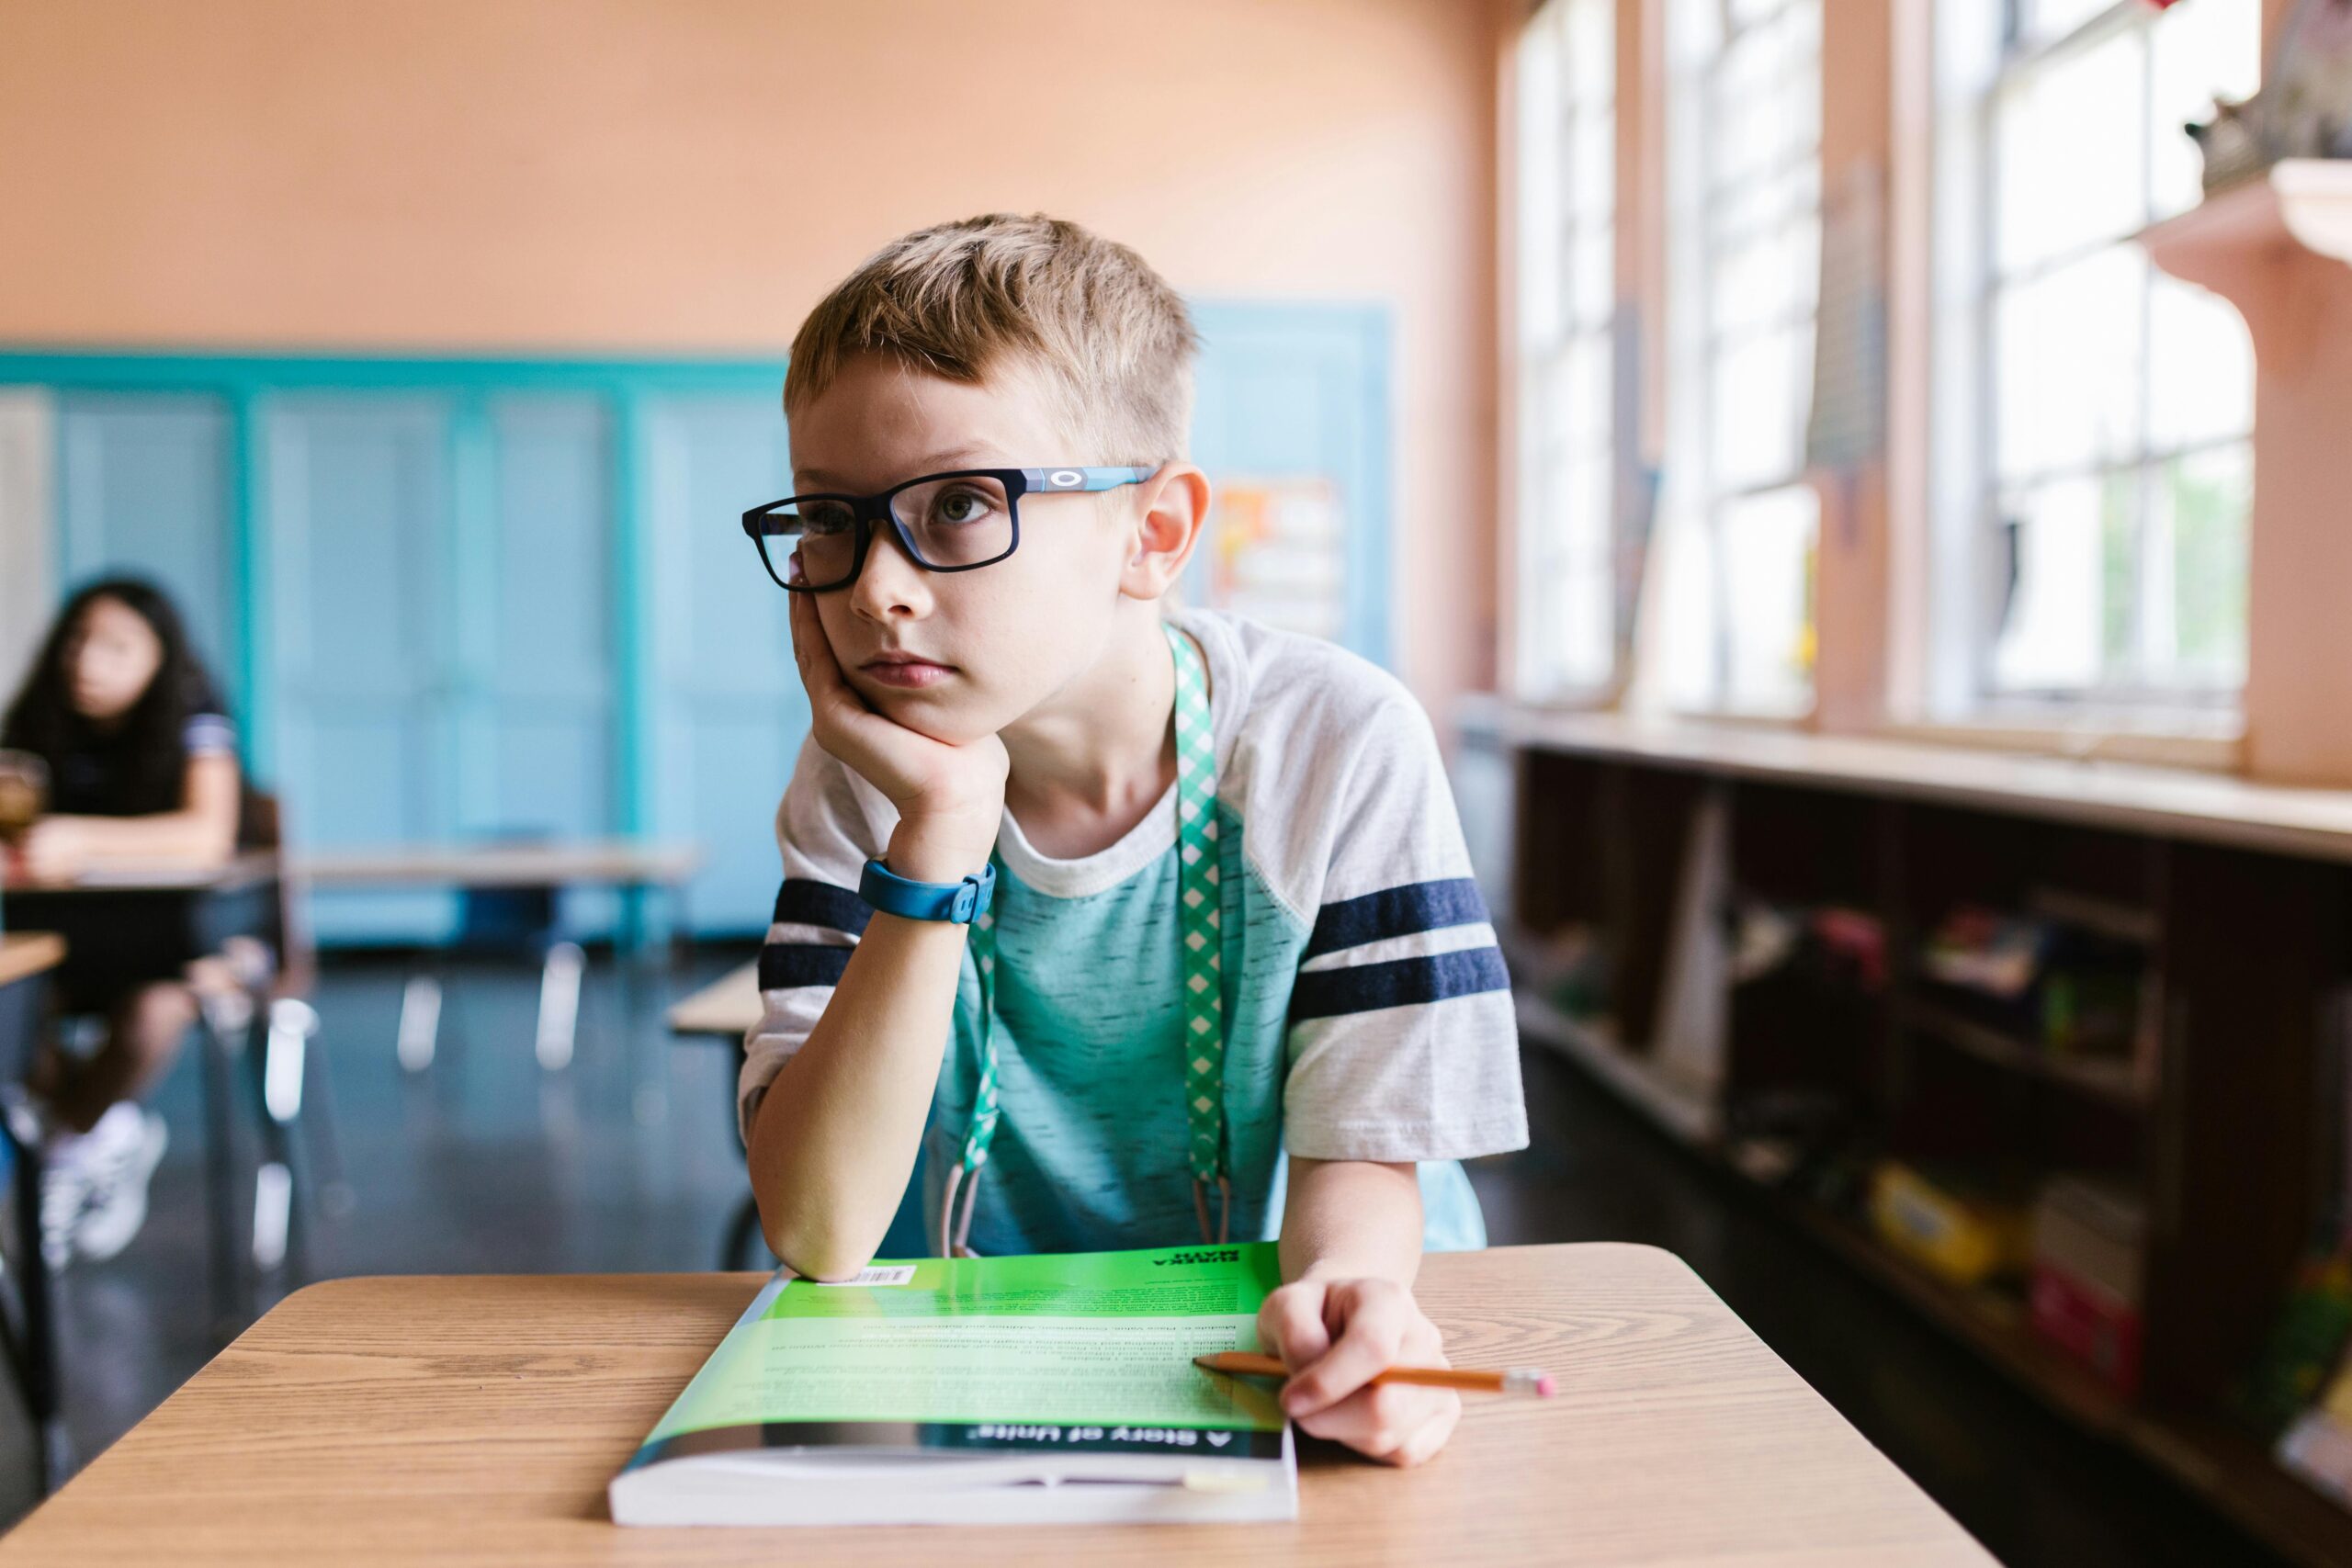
{"points": [[687, 176]]}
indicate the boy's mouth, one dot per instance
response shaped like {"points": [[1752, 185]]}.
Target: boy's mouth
{"points": [[906, 670]]}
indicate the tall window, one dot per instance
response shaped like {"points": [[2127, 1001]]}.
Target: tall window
{"points": [[2113, 404], [1567, 283], [1744, 149]]}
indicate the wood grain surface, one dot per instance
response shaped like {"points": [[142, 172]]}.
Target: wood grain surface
{"points": [[616, 861], [476, 1419], [728, 1006]]}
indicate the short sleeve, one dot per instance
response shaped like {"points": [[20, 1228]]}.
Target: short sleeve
{"points": [[826, 829], [1402, 1044], [208, 735]]}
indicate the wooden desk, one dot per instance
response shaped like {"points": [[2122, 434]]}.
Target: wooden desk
{"points": [[130, 925], [26, 960], [631, 866], [478, 1419], [25, 954], [729, 1008], [620, 863]]}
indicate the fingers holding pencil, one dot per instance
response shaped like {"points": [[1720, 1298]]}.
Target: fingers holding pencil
{"points": [[1518, 1381]]}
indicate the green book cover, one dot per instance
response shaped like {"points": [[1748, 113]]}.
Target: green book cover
{"points": [[1085, 1353]]}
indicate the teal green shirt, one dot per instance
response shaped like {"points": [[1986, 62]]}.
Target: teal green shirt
{"points": [[1366, 1011]]}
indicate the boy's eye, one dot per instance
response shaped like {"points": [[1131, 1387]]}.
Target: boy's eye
{"points": [[962, 508], [826, 517]]}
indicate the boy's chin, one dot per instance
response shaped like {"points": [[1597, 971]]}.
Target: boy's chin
{"points": [[942, 717]]}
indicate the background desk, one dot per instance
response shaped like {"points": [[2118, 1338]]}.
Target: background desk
{"points": [[476, 1419], [632, 868], [26, 960]]}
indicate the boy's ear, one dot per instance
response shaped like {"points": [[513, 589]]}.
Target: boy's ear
{"points": [[1175, 507]]}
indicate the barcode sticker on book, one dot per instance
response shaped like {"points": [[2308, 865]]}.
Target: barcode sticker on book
{"points": [[896, 1274]]}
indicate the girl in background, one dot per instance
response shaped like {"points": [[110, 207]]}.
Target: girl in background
{"points": [[143, 771]]}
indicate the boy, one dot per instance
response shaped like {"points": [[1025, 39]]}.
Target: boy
{"points": [[1137, 929]]}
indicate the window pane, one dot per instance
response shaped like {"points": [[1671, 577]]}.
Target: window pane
{"points": [[2051, 636], [1592, 52], [1765, 107], [1540, 216], [1568, 606], [1790, 194], [1767, 279], [2039, 21], [1591, 280], [1760, 390], [2067, 365], [2205, 498], [1768, 544], [2200, 367], [2067, 145], [1566, 161], [1578, 396], [1592, 167]]}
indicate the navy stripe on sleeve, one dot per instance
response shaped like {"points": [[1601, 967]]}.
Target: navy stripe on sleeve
{"points": [[1400, 982], [786, 964], [1396, 911], [804, 901]]}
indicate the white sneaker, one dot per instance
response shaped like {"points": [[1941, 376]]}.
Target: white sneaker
{"points": [[118, 1158], [64, 1192]]}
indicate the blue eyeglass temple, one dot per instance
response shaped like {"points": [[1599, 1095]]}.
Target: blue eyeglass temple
{"points": [[1084, 479]]}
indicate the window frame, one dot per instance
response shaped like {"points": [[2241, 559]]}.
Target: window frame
{"points": [[1974, 512]]}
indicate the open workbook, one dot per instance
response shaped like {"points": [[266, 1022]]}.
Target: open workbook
{"points": [[980, 1391]]}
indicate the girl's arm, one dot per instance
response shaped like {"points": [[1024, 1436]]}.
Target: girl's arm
{"points": [[202, 832], [1350, 1247]]}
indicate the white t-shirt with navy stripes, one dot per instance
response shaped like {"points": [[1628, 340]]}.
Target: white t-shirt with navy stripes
{"points": [[1367, 1013]]}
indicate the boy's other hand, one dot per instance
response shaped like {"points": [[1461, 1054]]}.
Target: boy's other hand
{"points": [[1335, 1335], [950, 798]]}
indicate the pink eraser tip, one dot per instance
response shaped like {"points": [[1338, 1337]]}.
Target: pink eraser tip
{"points": [[1546, 1388]]}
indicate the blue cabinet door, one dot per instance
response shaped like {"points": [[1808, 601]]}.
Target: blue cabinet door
{"points": [[355, 514], [537, 644], [726, 712], [143, 489]]}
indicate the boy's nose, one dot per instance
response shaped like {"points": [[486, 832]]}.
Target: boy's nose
{"points": [[890, 586]]}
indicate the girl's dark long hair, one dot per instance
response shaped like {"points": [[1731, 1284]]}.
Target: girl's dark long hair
{"points": [[147, 753]]}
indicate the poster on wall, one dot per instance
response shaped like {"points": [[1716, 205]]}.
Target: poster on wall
{"points": [[1277, 552]]}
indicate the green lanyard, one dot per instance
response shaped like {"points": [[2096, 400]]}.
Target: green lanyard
{"points": [[1197, 922]]}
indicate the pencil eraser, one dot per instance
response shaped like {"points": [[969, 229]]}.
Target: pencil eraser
{"points": [[1546, 1388]]}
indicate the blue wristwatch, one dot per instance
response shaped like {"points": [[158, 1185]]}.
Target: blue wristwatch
{"points": [[962, 902]]}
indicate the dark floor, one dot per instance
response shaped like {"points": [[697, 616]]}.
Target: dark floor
{"points": [[622, 1163]]}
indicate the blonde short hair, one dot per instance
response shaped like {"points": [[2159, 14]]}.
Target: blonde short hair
{"points": [[964, 300]]}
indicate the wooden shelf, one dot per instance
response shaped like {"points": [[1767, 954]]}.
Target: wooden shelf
{"points": [[2116, 1082], [2206, 1456], [2216, 1461], [1990, 1324], [2170, 802], [1620, 817]]}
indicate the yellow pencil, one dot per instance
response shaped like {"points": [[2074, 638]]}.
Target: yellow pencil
{"points": [[1519, 1379]]}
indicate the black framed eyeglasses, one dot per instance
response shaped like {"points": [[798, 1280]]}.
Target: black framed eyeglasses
{"points": [[951, 522]]}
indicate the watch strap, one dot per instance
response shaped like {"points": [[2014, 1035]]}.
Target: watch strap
{"points": [[959, 902]]}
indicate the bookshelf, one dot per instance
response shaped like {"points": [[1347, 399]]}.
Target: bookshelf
{"points": [[1646, 840]]}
